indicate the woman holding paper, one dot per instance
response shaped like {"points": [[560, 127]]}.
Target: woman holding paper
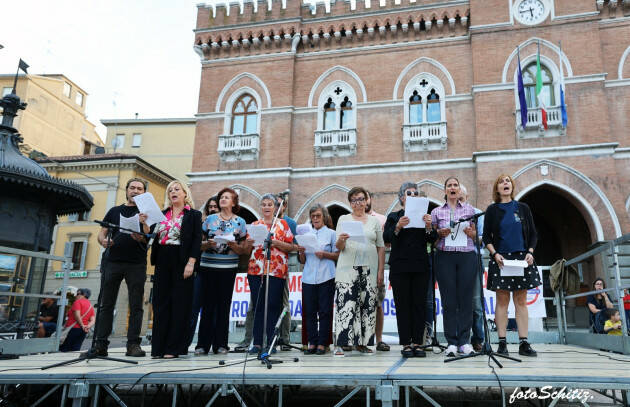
{"points": [[456, 267], [277, 267], [175, 254], [409, 268], [226, 233], [318, 281], [509, 234], [361, 266]]}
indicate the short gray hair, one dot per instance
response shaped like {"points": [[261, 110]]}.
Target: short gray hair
{"points": [[463, 189], [271, 197], [405, 186]]}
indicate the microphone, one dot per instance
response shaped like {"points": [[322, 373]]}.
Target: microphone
{"points": [[471, 217], [114, 226]]}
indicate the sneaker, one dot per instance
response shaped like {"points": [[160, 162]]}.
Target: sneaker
{"points": [[134, 350], [503, 350], [451, 351], [310, 351], [466, 349], [285, 348], [100, 349], [200, 352], [525, 349], [222, 351], [338, 352]]}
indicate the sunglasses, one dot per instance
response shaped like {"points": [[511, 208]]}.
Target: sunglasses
{"points": [[410, 193]]}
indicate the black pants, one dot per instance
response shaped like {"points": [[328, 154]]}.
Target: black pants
{"points": [[112, 274], [410, 292], [172, 304], [276, 285], [317, 303], [73, 341], [456, 273], [217, 286]]}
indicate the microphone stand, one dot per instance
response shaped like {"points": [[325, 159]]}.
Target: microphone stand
{"points": [[91, 354], [487, 347], [434, 341]]}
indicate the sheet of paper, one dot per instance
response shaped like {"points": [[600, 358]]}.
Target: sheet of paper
{"points": [[309, 242], [457, 238], [513, 268], [146, 204], [132, 223], [304, 228], [354, 229], [223, 239], [415, 209], [258, 233]]}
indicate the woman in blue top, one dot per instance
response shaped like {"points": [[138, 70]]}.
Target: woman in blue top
{"points": [[225, 233], [318, 281], [509, 234]]}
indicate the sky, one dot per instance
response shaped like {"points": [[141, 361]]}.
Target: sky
{"points": [[130, 56]]}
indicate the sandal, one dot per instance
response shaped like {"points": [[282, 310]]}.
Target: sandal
{"points": [[382, 346], [338, 352], [365, 350], [407, 351], [418, 352]]}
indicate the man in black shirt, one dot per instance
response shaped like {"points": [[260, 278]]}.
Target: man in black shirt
{"points": [[125, 257], [48, 313]]}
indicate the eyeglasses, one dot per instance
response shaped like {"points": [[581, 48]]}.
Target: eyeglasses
{"points": [[410, 193], [357, 201]]}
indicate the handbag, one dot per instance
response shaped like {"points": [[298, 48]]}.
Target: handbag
{"points": [[66, 330]]}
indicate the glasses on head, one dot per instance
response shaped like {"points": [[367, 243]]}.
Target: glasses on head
{"points": [[412, 193], [357, 201]]}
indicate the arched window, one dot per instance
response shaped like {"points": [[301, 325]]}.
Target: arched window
{"points": [[346, 114], [244, 115], [529, 81], [329, 115], [434, 113], [415, 108]]}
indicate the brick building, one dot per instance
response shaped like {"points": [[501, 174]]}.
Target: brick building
{"points": [[320, 98]]}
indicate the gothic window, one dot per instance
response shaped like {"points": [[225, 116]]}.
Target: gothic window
{"points": [[244, 115], [433, 107], [329, 115], [346, 114], [529, 82], [415, 108], [337, 107]]}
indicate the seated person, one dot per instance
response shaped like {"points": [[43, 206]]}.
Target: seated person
{"points": [[597, 303], [48, 312], [613, 323]]}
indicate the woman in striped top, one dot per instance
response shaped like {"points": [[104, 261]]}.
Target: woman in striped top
{"points": [[226, 233]]}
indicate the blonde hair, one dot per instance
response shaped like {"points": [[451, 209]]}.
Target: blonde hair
{"points": [[188, 200]]}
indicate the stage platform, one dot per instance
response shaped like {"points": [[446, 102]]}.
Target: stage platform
{"points": [[385, 373]]}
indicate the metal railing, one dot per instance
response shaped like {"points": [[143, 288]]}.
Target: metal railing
{"points": [[20, 345], [609, 252]]}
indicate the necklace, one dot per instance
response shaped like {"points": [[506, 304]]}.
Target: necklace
{"points": [[222, 218]]}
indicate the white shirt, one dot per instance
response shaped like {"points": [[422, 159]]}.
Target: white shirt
{"points": [[317, 271]]}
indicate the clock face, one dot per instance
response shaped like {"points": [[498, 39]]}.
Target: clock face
{"points": [[530, 12]]}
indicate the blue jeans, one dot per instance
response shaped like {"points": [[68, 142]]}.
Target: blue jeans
{"points": [[73, 341], [477, 326], [274, 307]]}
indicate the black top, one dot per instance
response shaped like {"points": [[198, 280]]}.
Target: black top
{"points": [[492, 225], [125, 249], [190, 239], [409, 247], [52, 311]]}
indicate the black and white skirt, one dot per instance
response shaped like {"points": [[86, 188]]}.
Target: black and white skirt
{"points": [[530, 279]]}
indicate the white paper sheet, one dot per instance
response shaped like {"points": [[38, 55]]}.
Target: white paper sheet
{"points": [[304, 228], [309, 242], [513, 268], [415, 209], [146, 204], [132, 223], [258, 233], [223, 239], [353, 228], [457, 237]]}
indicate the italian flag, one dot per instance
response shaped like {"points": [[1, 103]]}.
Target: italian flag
{"points": [[539, 88]]}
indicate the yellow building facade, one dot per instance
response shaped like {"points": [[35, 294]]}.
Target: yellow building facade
{"points": [[105, 177], [166, 143], [55, 122]]}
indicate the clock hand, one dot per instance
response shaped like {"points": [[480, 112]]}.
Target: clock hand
{"points": [[531, 11]]}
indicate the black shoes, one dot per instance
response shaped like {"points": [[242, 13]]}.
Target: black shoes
{"points": [[503, 350], [99, 349], [418, 352], [134, 350], [525, 349], [407, 352], [411, 352]]}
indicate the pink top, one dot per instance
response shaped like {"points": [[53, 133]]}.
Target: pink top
{"points": [[168, 231]]}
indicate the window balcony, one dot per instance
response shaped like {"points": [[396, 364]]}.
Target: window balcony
{"points": [[238, 147], [424, 136], [335, 143], [534, 127]]}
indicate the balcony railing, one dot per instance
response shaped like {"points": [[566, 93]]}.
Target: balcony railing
{"points": [[233, 147], [335, 143], [424, 136], [534, 126]]}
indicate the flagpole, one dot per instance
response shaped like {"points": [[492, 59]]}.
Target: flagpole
{"points": [[15, 80]]}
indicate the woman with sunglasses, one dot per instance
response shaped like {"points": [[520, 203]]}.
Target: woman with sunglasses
{"points": [[409, 272], [225, 233], [360, 269]]}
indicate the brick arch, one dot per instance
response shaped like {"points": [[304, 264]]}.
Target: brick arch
{"points": [[332, 193], [628, 206], [590, 200], [624, 65], [338, 73], [248, 198], [420, 65], [244, 79], [530, 47]]}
